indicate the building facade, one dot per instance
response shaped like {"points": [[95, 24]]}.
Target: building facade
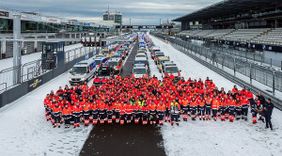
{"points": [[113, 16]]}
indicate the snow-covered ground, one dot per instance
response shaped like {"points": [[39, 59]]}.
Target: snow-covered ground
{"points": [[203, 138], [24, 130]]}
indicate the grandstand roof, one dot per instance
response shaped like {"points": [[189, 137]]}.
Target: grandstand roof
{"points": [[229, 7]]}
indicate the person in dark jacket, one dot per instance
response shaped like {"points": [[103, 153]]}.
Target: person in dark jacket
{"points": [[261, 98], [262, 102], [268, 108]]}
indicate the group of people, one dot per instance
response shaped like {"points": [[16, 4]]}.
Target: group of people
{"points": [[149, 101]]}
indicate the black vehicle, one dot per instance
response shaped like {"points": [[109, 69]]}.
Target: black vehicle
{"points": [[105, 70]]}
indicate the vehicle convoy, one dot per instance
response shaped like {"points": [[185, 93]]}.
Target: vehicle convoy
{"points": [[82, 71]]}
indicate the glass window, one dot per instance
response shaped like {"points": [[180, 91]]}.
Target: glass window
{"points": [[78, 70]]}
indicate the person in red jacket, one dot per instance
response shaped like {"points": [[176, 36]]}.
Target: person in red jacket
{"points": [[215, 107], [208, 101], [95, 112], [193, 108], [66, 113], [238, 107], [145, 116], [102, 111], [161, 108], [47, 105], [122, 113], [231, 108], [185, 108], [77, 111], [245, 107], [86, 112], [109, 112], [128, 112], [201, 108], [57, 112]]}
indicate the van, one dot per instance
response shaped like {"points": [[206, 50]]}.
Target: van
{"points": [[82, 71]]}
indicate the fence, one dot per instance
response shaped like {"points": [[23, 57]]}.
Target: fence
{"points": [[255, 56], [250, 70], [34, 69]]}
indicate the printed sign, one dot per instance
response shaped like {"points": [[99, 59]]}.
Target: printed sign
{"points": [[34, 83]]}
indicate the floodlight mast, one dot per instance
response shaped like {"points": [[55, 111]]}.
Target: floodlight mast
{"points": [[16, 48]]}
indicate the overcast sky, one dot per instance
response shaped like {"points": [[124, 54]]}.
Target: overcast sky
{"points": [[140, 11]]}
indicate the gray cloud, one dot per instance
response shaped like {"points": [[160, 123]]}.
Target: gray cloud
{"points": [[145, 11]]}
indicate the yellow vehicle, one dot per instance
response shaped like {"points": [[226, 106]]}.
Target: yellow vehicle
{"points": [[160, 61]]}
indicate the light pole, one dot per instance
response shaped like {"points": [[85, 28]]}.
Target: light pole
{"points": [[16, 48]]}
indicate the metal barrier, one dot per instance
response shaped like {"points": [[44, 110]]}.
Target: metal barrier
{"points": [[34, 69], [76, 53], [4, 88], [265, 75]]}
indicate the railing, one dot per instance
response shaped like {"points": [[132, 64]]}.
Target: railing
{"points": [[34, 69], [259, 57], [3, 87], [76, 53]]}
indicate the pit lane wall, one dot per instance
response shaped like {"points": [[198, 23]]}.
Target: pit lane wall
{"points": [[28, 86]]}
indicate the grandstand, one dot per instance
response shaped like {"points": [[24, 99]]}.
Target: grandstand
{"points": [[256, 23]]}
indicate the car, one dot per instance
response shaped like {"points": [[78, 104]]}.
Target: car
{"points": [[142, 52], [168, 63], [158, 54], [140, 71], [99, 60], [115, 64], [82, 71], [104, 71], [141, 55], [154, 49], [171, 70], [141, 60], [160, 61]]}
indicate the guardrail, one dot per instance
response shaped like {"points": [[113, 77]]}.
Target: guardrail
{"points": [[276, 101], [2, 89]]}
